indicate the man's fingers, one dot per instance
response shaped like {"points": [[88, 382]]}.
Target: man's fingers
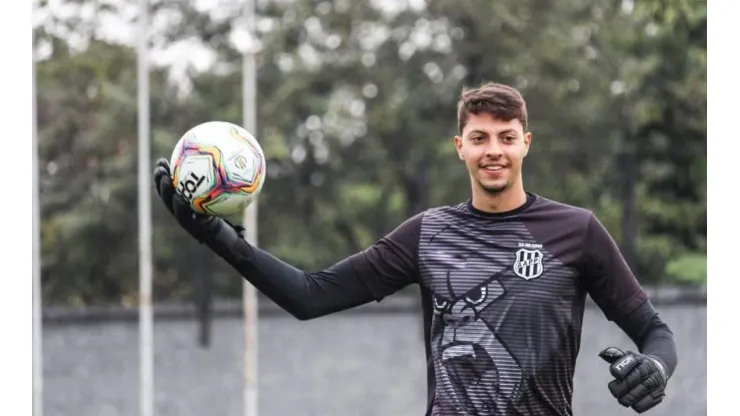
{"points": [[163, 163], [648, 402], [636, 394], [164, 188], [611, 354], [161, 170], [182, 209], [639, 374], [623, 366]]}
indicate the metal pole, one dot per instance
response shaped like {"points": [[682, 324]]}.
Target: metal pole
{"points": [[146, 350], [249, 97], [38, 369]]}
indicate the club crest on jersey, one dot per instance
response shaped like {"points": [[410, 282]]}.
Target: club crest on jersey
{"points": [[528, 263]]}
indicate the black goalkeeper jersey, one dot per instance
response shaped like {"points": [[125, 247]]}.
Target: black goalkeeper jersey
{"points": [[503, 298]]}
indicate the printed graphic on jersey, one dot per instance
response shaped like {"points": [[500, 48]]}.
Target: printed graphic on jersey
{"points": [[475, 373], [480, 377], [528, 263]]}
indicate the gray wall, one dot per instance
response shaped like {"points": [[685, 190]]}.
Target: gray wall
{"points": [[340, 365]]}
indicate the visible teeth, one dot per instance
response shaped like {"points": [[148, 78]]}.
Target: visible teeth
{"points": [[494, 168]]}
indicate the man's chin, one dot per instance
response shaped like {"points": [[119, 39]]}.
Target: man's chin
{"points": [[494, 188]]}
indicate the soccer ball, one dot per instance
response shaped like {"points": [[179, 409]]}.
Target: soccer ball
{"points": [[219, 168]]}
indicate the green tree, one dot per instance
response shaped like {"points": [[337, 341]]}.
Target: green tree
{"points": [[356, 115]]}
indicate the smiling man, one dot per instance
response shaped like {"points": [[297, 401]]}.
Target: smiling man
{"points": [[504, 278]]}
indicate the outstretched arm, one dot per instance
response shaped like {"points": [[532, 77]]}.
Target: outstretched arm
{"points": [[302, 294], [308, 295], [379, 271]]}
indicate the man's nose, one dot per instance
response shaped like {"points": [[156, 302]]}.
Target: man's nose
{"points": [[493, 149]]}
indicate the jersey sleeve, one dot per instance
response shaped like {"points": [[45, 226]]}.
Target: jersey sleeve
{"points": [[372, 274], [392, 262], [607, 277]]}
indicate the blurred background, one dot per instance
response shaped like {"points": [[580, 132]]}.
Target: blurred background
{"points": [[356, 114]]}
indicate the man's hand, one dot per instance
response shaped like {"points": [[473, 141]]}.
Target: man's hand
{"points": [[199, 226], [639, 380]]}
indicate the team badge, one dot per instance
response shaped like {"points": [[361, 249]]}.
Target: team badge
{"points": [[528, 263]]}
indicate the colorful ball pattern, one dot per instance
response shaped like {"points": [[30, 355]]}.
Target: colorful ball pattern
{"points": [[219, 168]]}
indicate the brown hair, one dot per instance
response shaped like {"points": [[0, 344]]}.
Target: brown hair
{"points": [[500, 101]]}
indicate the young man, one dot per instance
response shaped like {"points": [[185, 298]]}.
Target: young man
{"points": [[504, 278]]}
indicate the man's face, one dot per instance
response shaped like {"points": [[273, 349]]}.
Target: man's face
{"points": [[493, 151]]}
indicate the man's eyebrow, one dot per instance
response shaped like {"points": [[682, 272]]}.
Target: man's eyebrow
{"points": [[472, 132], [502, 132], [507, 131]]}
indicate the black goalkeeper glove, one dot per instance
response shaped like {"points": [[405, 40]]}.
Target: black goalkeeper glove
{"points": [[639, 380], [202, 227]]}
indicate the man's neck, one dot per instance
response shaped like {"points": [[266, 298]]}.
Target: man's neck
{"points": [[504, 201]]}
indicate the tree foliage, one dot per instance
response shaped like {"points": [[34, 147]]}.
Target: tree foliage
{"points": [[356, 115]]}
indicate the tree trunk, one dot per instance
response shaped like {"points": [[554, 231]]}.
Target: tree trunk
{"points": [[416, 186], [629, 206]]}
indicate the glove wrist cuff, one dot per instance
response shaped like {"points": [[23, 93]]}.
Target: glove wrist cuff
{"points": [[224, 240]]}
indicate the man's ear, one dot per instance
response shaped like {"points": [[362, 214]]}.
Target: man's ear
{"points": [[527, 142], [458, 146]]}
